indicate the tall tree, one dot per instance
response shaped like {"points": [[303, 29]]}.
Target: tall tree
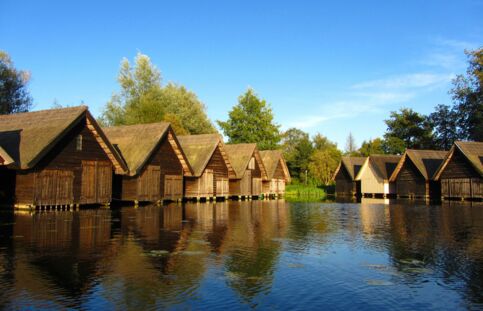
{"points": [[468, 97], [350, 145], [251, 121], [143, 99], [372, 146], [297, 149], [14, 95], [444, 121], [410, 127], [324, 160]]}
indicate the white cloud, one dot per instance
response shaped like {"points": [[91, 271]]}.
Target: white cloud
{"points": [[362, 103], [415, 80]]}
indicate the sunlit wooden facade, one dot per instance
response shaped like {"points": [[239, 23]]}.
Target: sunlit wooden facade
{"points": [[249, 169], [155, 161], [60, 157], [211, 166], [375, 173], [277, 172]]}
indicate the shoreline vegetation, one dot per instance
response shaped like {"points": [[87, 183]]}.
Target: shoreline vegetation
{"points": [[305, 192]]}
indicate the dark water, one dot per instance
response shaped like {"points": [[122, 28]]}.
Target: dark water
{"points": [[267, 255]]}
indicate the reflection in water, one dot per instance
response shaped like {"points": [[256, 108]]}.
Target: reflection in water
{"points": [[259, 254]]}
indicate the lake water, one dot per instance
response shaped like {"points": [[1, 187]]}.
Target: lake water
{"points": [[241, 255]]}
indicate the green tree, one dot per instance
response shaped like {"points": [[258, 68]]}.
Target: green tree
{"points": [[444, 121], [251, 121], [394, 145], [372, 146], [143, 99], [324, 160], [409, 127], [14, 95], [297, 149], [468, 97]]}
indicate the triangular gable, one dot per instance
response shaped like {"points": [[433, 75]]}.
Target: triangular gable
{"points": [[349, 164], [240, 156], [137, 143], [271, 159], [473, 153], [199, 150], [425, 161], [29, 136]]}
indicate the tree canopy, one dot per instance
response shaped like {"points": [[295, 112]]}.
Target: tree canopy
{"points": [[143, 99], [14, 95], [407, 129], [251, 121]]}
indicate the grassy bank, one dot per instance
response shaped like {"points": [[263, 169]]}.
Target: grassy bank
{"points": [[305, 192]]}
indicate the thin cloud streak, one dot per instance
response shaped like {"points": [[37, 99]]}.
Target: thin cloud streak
{"points": [[415, 80]]}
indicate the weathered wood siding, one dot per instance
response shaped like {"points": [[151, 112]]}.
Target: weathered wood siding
{"points": [[161, 177], [256, 186], [460, 180], [370, 183], [343, 182], [200, 187], [410, 182], [220, 174], [33, 187]]}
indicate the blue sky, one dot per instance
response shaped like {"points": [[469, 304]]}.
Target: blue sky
{"points": [[330, 67]]}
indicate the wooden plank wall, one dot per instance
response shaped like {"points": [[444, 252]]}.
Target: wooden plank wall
{"points": [[63, 157], [410, 182], [460, 180]]}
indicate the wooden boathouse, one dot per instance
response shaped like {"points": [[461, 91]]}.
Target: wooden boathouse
{"points": [[249, 169], [156, 163], [461, 173], [344, 176], [277, 173], [375, 173], [211, 166], [413, 176], [61, 157]]}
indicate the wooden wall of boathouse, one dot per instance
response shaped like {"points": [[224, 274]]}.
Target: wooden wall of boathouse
{"points": [[67, 175], [460, 180], [160, 178], [213, 181], [410, 182], [344, 185], [251, 182]]}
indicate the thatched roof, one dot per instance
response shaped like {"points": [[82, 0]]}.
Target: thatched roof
{"points": [[240, 155], [199, 150], [426, 161], [351, 164], [382, 165], [5, 158], [271, 159], [27, 137], [473, 151], [138, 142]]}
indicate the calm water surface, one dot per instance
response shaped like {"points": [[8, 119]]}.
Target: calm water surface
{"points": [[243, 255]]}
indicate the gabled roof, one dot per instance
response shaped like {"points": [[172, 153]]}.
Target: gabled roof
{"points": [[351, 164], [473, 151], [271, 159], [426, 161], [29, 136], [240, 156], [200, 148], [5, 159], [382, 165], [138, 142]]}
